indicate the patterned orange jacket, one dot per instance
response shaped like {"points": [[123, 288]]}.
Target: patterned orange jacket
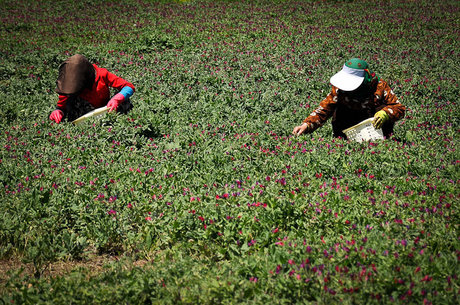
{"points": [[382, 98]]}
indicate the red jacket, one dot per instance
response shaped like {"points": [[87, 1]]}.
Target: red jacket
{"points": [[99, 95]]}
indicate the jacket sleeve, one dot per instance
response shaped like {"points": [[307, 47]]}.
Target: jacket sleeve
{"points": [[392, 106], [324, 111], [118, 82], [62, 103]]}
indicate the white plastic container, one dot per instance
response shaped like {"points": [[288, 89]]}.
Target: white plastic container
{"points": [[94, 113], [363, 131]]}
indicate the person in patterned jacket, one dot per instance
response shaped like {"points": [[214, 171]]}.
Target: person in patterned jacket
{"points": [[356, 95], [83, 86]]}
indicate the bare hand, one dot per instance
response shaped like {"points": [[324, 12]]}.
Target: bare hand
{"points": [[298, 130]]}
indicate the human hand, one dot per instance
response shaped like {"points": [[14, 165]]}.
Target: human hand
{"points": [[57, 116], [380, 117], [304, 128], [115, 101]]}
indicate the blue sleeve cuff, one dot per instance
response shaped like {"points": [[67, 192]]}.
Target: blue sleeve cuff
{"points": [[127, 92]]}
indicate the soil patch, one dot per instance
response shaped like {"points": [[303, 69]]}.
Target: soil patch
{"points": [[93, 263]]}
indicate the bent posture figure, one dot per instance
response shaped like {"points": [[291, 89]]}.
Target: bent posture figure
{"points": [[83, 86], [357, 94]]}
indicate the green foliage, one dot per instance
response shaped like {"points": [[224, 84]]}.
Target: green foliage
{"points": [[203, 179]]}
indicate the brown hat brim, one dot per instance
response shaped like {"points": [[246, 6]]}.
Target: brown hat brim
{"points": [[75, 74]]}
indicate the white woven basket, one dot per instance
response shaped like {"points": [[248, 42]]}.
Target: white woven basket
{"points": [[364, 131]]}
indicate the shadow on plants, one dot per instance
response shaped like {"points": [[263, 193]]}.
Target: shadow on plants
{"points": [[151, 132]]}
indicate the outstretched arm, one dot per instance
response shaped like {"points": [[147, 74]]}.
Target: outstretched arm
{"points": [[58, 114], [320, 115]]}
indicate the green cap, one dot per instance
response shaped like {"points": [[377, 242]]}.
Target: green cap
{"points": [[354, 72], [356, 63]]}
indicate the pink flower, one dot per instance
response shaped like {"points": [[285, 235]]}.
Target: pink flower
{"points": [[426, 278], [99, 196], [278, 269]]}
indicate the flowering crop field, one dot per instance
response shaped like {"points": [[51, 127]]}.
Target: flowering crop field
{"points": [[201, 194]]}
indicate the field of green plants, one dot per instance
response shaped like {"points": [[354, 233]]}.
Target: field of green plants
{"points": [[201, 194]]}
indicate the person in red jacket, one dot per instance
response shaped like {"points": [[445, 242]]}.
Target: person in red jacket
{"points": [[83, 86], [356, 95]]}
